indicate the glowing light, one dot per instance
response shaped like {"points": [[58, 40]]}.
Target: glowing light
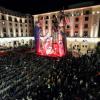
{"points": [[49, 48], [93, 12], [3, 23], [98, 12], [4, 40]]}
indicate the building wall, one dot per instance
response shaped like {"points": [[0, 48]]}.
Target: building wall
{"points": [[14, 24], [81, 23]]}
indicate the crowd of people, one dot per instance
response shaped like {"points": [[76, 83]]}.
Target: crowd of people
{"points": [[26, 76]]}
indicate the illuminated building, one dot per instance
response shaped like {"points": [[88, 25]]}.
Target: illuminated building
{"points": [[14, 28], [75, 30], [82, 27]]}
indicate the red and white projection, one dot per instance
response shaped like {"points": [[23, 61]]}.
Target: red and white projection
{"points": [[50, 39]]}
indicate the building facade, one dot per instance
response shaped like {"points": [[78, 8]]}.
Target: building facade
{"points": [[81, 26], [14, 25]]}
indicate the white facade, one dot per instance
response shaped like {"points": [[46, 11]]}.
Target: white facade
{"points": [[83, 25], [14, 25], [84, 22]]}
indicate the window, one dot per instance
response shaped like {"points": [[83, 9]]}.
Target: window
{"points": [[21, 30], [47, 17], [3, 17], [11, 30], [76, 25], [87, 12], [53, 16], [16, 20], [14, 42], [26, 25], [25, 21], [77, 19], [29, 21], [21, 25], [30, 25], [5, 35], [10, 19], [86, 46], [85, 34], [67, 26], [46, 22], [4, 29], [10, 24], [20, 20], [15, 24], [86, 18], [77, 45], [46, 27], [16, 30], [85, 25]]}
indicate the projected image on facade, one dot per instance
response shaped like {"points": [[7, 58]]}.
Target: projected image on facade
{"points": [[49, 35]]}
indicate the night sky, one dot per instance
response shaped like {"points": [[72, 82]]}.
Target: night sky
{"points": [[40, 6]]}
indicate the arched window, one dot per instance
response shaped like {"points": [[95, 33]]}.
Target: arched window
{"points": [[29, 21], [4, 29], [20, 25], [76, 19], [16, 20], [46, 22], [47, 17], [21, 30], [53, 16], [20, 20], [26, 30], [87, 12], [16, 30], [10, 19], [3, 17], [10, 24], [25, 21]]}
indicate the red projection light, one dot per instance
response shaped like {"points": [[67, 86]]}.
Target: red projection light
{"points": [[50, 49], [50, 43]]}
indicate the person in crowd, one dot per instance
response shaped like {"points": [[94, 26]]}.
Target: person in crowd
{"points": [[31, 77]]}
